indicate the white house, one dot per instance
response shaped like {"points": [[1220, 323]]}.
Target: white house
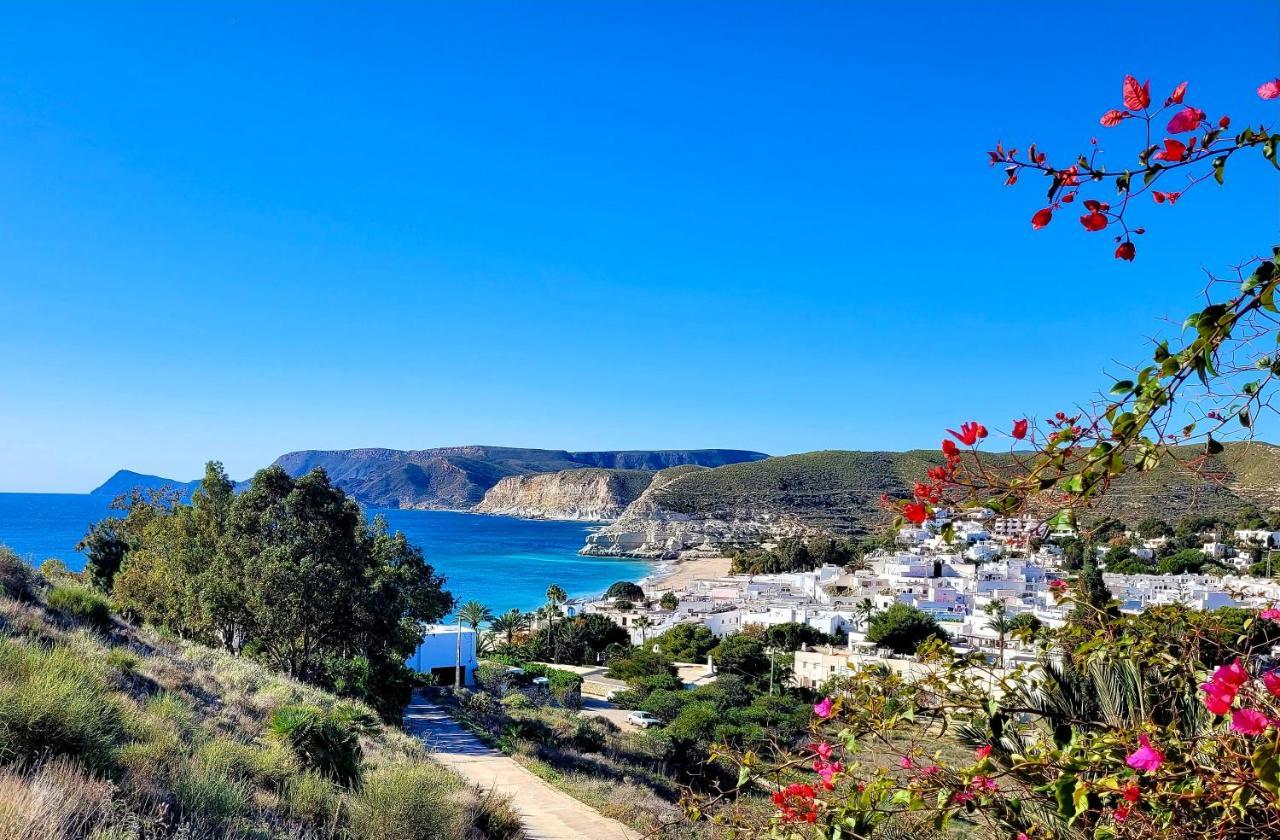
{"points": [[443, 648]]}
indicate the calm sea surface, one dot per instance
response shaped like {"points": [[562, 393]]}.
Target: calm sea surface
{"points": [[499, 561]]}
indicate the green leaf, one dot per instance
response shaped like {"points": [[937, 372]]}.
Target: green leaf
{"points": [[1260, 276], [1266, 768], [1062, 792], [1150, 175], [1269, 150], [1219, 164], [1124, 386], [1122, 182]]}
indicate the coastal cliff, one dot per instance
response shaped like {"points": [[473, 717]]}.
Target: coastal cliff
{"points": [[652, 529], [590, 494]]}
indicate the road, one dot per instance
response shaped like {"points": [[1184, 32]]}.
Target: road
{"points": [[595, 707], [547, 813]]}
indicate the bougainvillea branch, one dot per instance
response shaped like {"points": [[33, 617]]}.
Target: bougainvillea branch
{"points": [[1164, 724], [1203, 156], [1209, 388]]}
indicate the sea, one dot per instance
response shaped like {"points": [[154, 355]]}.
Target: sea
{"points": [[501, 561]]}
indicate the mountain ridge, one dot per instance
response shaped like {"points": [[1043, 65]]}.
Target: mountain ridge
{"points": [[445, 478]]}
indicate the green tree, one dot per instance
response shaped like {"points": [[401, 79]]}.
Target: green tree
{"points": [[1000, 623], [792, 634], [1153, 527], [643, 623], [1181, 562], [511, 624], [863, 610], [289, 572], [743, 656], [669, 601], [105, 546], [473, 614], [624, 590], [555, 597], [686, 642], [902, 628], [1025, 621]]}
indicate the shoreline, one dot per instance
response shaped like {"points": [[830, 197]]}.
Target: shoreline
{"points": [[674, 575]]}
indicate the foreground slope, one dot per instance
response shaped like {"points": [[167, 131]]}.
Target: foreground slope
{"points": [[108, 731]]}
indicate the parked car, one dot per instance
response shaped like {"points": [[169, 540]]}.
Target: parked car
{"points": [[643, 720]]}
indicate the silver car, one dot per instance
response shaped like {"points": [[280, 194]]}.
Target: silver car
{"points": [[643, 720]]}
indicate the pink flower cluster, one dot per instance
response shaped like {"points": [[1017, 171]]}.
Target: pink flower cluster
{"points": [[824, 766], [1220, 697], [1145, 758]]}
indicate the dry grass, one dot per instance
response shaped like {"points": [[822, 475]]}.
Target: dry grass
{"points": [[54, 800]]}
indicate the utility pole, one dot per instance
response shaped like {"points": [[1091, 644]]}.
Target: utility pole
{"points": [[457, 658]]}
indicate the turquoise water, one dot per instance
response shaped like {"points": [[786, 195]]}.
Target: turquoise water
{"points": [[499, 561]]}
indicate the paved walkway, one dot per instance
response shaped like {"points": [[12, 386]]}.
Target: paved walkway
{"points": [[547, 813]]}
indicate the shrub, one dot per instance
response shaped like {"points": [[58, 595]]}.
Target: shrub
{"points": [[123, 661], [81, 603], [625, 590], [310, 797], [51, 704], [517, 700], [150, 765], [495, 817], [17, 580], [249, 762], [408, 799], [54, 570], [327, 741], [493, 676], [171, 711], [210, 793]]}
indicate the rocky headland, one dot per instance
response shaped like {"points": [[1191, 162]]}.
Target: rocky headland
{"points": [[589, 495]]}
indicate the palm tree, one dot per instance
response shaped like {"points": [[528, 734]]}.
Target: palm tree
{"points": [[510, 624], [863, 611], [1001, 623], [474, 613], [555, 597], [644, 624]]}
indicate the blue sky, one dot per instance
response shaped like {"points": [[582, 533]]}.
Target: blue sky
{"points": [[229, 231]]}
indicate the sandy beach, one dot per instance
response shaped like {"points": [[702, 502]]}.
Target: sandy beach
{"points": [[678, 574]]}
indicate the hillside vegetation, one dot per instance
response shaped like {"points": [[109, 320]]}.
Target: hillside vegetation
{"points": [[109, 732], [839, 491]]}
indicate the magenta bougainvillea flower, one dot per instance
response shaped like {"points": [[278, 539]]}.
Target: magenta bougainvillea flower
{"points": [[1146, 758]]}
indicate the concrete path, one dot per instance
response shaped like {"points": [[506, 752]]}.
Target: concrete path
{"points": [[547, 813]]}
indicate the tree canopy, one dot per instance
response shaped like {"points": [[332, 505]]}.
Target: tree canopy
{"points": [[902, 628], [289, 572]]}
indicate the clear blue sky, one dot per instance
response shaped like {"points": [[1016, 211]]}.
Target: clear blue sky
{"points": [[236, 230]]}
